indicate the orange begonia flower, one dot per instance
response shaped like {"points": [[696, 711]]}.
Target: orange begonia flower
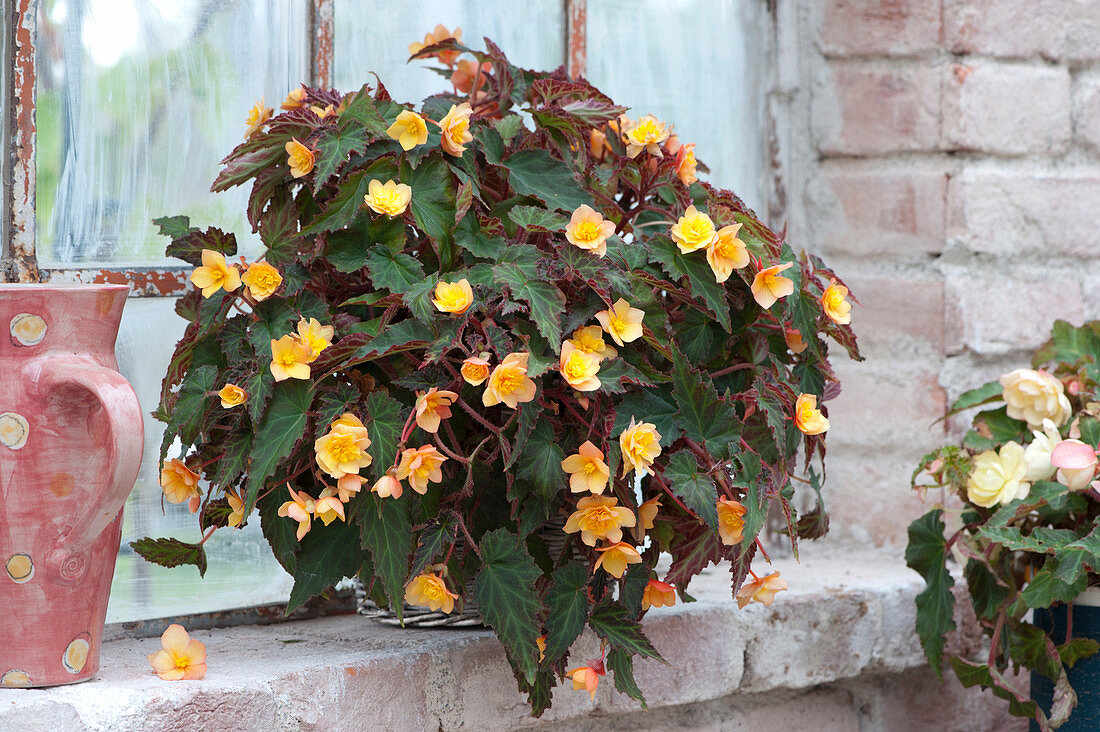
{"points": [[299, 157], [541, 643], [590, 340], [588, 230], [430, 591], [597, 144], [640, 444], [585, 677], [388, 485], [388, 198], [622, 322], [694, 230], [646, 134], [807, 417], [214, 274], [466, 71], [599, 517], [433, 406], [257, 118], [794, 340], [835, 304], [731, 521], [768, 286], [262, 280], [329, 507], [455, 129], [300, 507], [658, 594], [453, 297], [236, 503], [760, 590], [296, 99], [290, 359], [616, 557], [578, 368], [180, 657], [587, 469], [647, 512], [420, 467], [686, 164], [232, 396], [475, 369], [409, 129], [727, 253], [315, 336], [343, 449], [438, 35], [180, 484], [509, 382]]}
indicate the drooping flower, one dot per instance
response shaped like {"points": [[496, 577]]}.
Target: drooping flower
{"points": [[599, 517], [768, 286], [180, 484], [262, 280], [475, 369], [647, 512], [348, 486], [296, 99], [658, 594], [328, 507], [453, 297], [343, 449], [794, 340], [215, 274], [686, 164], [646, 134], [438, 35], [388, 198], [232, 396], [835, 304], [432, 406], [541, 643], [807, 417], [731, 521], [998, 477], [1076, 464], [694, 230], [1035, 395], [640, 444], [257, 118], [455, 129], [585, 677], [180, 658], [421, 466], [409, 129], [760, 590], [578, 368], [509, 382], [615, 558], [314, 336], [300, 508], [727, 253], [388, 485], [597, 144], [430, 591], [1037, 453], [588, 230], [300, 159], [466, 71], [590, 340], [587, 469], [236, 504], [622, 322], [290, 359]]}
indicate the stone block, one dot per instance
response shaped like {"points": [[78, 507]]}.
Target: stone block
{"points": [[1050, 29], [880, 27]]}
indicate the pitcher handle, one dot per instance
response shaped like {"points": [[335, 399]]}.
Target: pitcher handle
{"points": [[124, 444]]}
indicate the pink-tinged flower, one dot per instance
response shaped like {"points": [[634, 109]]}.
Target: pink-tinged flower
{"points": [[180, 658], [475, 369], [616, 557], [257, 118], [300, 508], [647, 512], [1034, 396], [686, 164], [578, 368], [590, 340], [588, 230], [348, 486], [466, 71], [597, 144], [768, 286], [694, 230], [453, 297], [300, 159], [438, 35], [726, 253], [794, 340], [409, 129], [646, 134], [180, 484], [835, 304], [658, 594], [215, 274], [585, 677], [760, 590], [420, 467], [236, 505], [290, 359], [432, 407], [807, 417], [587, 469], [343, 449], [388, 198], [998, 477], [329, 507], [296, 99], [388, 485], [509, 382], [232, 396], [599, 517], [731, 521], [1076, 464], [262, 280], [315, 336], [430, 591], [455, 129], [622, 322], [640, 444]]}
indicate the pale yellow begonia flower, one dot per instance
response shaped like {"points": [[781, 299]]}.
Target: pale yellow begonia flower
{"points": [[430, 591], [432, 407], [587, 229], [646, 134], [180, 484], [760, 590], [421, 466], [1033, 396], [640, 444], [388, 198], [614, 559], [455, 129], [693, 231], [622, 322], [329, 507], [727, 253], [343, 449], [807, 417], [180, 658], [299, 508], [768, 286], [300, 159], [290, 359], [579, 368], [590, 340], [315, 336], [262, 280], [587, 469], [409, 129], [731, 521], [257, 118], [453, 297], [509, 382], [599, 517], [835, 304], [232, 396], [215, 274], [998, 477], [236, 505], [296, 99]]}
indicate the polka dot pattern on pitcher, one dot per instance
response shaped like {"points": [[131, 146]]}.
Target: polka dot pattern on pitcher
{"points": [[14, 430], [15, 679], [20, 568], [76, 654], [27, 329]]}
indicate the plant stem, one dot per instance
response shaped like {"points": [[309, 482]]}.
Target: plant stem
{"points": [[995, 643], [731, 369]]}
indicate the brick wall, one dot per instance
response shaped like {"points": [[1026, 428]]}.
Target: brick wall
{"points": [[945, 157]]}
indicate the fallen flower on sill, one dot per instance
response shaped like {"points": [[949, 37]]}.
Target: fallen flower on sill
{"points": [[180, 658]]}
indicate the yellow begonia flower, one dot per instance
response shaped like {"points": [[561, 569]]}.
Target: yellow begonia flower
{"points": [[455, 129], [686, 164], [388, 485], [694, 230], [647, 512], [438, 35], [835, 304], [807, 417], [640, 444], [257, 118], [180, 657], [794, 340], [509, 382], [622, 322], [578, 368], [727, 253], [262, 280], [343, 449], [180, 484], [475, 369], [430, 591], [998, 478], [588, 230], [760, 590], [731, 521], [768, 286], [658, 594], [599, 517], [409, 129], [587, 469], [616, 557], [590, 340], [420, 467], [236, 504], [322, 113], [232, 396], [432, 407], [215, 274], [646, 134], [300, 158], [388, 198], [300, 508], [296, 99], [329, 507], [314, 336], [290, 359], [453, 297], [584, 677]]}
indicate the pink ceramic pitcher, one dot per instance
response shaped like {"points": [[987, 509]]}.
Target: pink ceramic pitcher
{"points": [[70, 448]]}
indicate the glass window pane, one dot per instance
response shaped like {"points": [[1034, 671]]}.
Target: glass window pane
{"points": [[138, 100], [531, 34]]}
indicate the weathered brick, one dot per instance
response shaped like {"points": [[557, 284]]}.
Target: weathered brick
{"points": [[1008, 109], [878, 212], [887, 404], [895, 311], [1086, 113], [1053, 29], [1025, 213], [889, 27], [870, 111]]}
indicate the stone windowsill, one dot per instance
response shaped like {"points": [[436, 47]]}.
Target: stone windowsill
{"points": [[843, 617]]}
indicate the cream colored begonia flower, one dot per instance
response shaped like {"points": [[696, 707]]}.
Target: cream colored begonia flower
{"points": [[998, 477], [232, 396], [768, 286], [1034, 396], [640, 444], [453, 297], [578, 368], [622, 322], [646, 134], [329, 507], [727, 253], [693, 231], [299, 508], [215, 274], [615, 558], [432, 407], [388, 198], [1037, 453], [388, 485], [587, 469], [587, 229], [420, 467], [430, 591], [807, 417], [180, 658], [455, 129], [760, 590], [409, 129], [262, 280], [509, 382]]}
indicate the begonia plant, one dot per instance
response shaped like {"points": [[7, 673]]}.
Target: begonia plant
{"points": [[501, 348]]}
